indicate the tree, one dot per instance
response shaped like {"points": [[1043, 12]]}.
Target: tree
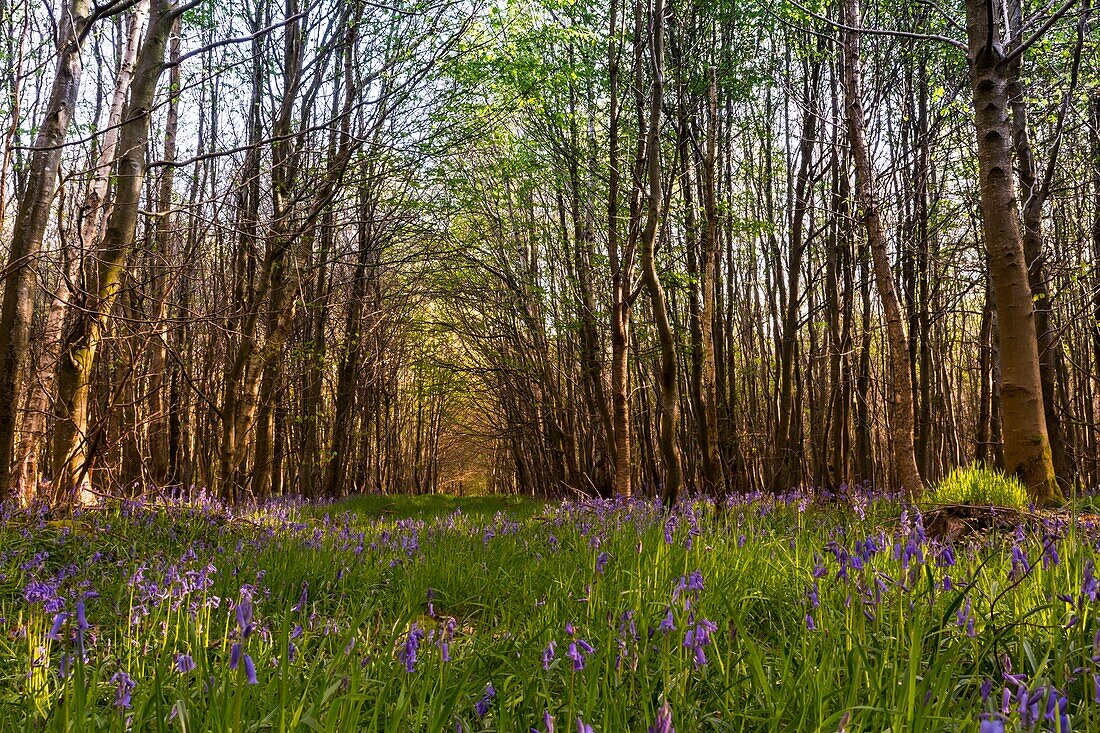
{"points": [[1027, 447]]}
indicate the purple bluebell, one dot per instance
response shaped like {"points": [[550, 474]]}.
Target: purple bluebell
{"points": [[81, 619], [412, 644], [445, 638], [249, 670], [577, 652], [1089, 586], [663, 723], [124, 686], [482, 706], [1020, 564], [244, 615], [303, 599], [697, 639], [548, 654], [184, 663], [234, 656], [55, 630]]}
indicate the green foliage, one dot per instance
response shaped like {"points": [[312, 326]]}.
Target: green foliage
{"points": [[804, 637], [979, 486]]}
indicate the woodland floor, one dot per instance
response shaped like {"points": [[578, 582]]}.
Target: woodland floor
{"points": [[505, 614]]}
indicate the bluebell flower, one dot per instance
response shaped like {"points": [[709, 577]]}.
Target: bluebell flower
{"points": [[249, 670], [548, 654], [55, 630], [1020, 564], [184, 663], [445, 638], [1089, 585], [482, 706], [303, 599], [696, 639], [577, 652], [124, 686], [663, 723], [81, 619], [991, 724], [234, 656], [244, 615], [412, 644]]}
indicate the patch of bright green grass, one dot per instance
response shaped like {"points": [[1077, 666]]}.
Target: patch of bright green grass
{"points": [[979, 486]]}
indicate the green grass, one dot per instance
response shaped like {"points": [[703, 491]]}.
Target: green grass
{"points": [[903, 635], [979, 486], [430, 506]]}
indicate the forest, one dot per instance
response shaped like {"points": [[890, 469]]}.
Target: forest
{"points": [[617, 365], [323, 248]]}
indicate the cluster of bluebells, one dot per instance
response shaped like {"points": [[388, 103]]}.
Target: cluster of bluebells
{"points": [[237, 656]]}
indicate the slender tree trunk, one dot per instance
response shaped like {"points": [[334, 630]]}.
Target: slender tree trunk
{"points": [[1035, 185], [1094, 330], [708, 380], [667, 384], [787, 447], [621, 261], [1027, 447], [348, 376], [984, 431], [157, 418], [901, 397]]}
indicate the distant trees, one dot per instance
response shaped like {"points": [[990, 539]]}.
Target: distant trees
{"points": [[646, 247]]}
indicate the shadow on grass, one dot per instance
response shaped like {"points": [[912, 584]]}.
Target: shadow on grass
{"points": [[427, 506]]}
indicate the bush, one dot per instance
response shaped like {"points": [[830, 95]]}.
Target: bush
{"points": [[979, 486]]}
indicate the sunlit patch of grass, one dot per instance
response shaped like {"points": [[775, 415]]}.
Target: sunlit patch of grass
{"points": [[978, 486]]}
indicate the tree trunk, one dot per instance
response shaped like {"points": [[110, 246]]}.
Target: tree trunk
{"points": [[667, 385], [1035, 185], [622, 271], [1094, 330], [707, 388], [1027, 447], [901, 398], [787, 446]]}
